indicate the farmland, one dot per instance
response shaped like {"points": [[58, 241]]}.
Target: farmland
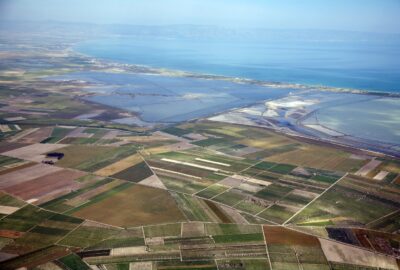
{"points": [[92, 158], [128, 206], [123, 203], [88, 186]]}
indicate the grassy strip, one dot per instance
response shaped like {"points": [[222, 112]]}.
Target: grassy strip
{"points": [[209, 142], [231, 238], [49, 231]]}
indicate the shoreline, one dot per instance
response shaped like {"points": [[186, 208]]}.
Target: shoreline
{"points": [[241, 80], [298, 131]]}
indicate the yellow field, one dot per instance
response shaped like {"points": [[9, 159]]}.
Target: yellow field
{"points": [[156, 150], [217, 128], [267, 143], [120, 165], [146, 139]]}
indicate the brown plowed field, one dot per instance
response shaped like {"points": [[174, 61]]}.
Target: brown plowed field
{"points": [[23, 166], [37, 136], [8, 146], [284, 236], [26, 174], [44, 185]]}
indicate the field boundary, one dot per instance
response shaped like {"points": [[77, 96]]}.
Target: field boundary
{"points": [[316, 198]]}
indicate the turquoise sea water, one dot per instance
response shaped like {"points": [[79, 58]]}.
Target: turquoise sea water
{"points": [[352, 64]]}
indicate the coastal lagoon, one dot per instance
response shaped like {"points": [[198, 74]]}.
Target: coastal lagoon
{"points": [[370, 65], [168, 99], [336, 116], [356, 61], [374, 119], [173, 99]]}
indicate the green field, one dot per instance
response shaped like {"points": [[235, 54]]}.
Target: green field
{"points": [[163, 230], [276, 213], [230, 197], [73, 261], [135, 173]]}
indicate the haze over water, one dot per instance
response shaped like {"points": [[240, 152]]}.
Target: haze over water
{"points": [[359, 64]]}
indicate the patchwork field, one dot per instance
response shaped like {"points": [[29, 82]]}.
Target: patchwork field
{"points": [[353, 200], [197, 196], [289, 249]]}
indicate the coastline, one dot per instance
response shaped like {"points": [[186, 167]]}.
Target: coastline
{"points": [[139, 68], [298, 130]]}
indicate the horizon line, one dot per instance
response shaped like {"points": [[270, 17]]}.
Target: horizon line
{"points": [[196, 25]]}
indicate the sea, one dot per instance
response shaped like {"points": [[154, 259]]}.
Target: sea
{"points": [[372, 65]]}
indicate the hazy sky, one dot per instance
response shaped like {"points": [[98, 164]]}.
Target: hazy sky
{"points": [[360, 15]]}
